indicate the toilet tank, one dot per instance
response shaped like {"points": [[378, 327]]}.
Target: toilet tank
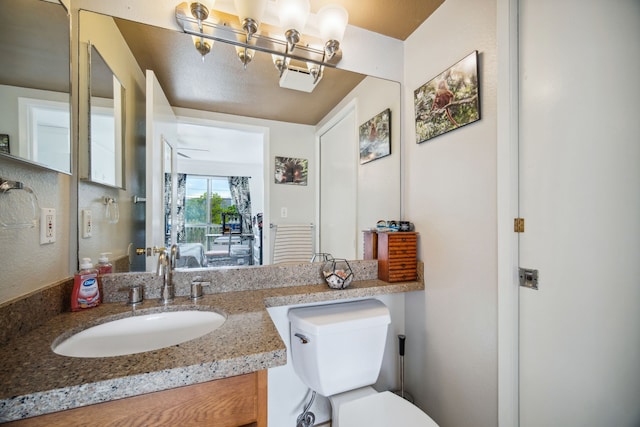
{"points": [[339, 347]]}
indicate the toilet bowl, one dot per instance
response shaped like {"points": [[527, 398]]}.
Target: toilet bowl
{"points": [[382, 410], [337, 351], [367, 407]]}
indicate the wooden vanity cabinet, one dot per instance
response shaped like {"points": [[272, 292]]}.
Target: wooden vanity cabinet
{"points": [[229, 402], [398, 256]]}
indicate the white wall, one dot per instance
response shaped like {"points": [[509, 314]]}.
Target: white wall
{"points": [[27, 265], [450, 195]]}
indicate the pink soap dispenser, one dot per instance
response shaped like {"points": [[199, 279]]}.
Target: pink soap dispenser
{"points": [[86, 293]]}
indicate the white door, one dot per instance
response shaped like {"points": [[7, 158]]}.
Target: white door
{"points": [[338, 184], [580, 197], [161, 131]]}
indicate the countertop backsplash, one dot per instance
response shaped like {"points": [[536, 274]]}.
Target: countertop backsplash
{"points": [[230, 279]]}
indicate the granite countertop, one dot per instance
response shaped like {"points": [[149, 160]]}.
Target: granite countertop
{"points": [[36, 381]]}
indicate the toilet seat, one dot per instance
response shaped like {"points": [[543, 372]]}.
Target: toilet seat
{"points": [[383, 410]]}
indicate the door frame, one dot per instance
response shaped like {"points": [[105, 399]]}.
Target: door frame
{"points": [[507, 209]]}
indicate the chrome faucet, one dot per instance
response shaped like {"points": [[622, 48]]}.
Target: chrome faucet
{"points": [[166, 264], [164, 270], [174, 255]]}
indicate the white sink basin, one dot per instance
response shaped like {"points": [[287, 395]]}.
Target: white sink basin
{"points": [[137, 334]]}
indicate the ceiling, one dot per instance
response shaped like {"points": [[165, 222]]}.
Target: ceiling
{"points": [[393, 18], [219, 83]]}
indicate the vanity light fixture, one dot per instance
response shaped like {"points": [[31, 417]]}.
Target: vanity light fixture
{"points": [[244, 28], [203, 46], [200, 10], [280, 62], [315, 71], [245, 55]]}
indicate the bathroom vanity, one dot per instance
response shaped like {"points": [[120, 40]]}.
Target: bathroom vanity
{"points": [[229, 402], [35, 381]]}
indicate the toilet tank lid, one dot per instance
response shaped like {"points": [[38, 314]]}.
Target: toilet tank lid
{"points": [[340, 317]]}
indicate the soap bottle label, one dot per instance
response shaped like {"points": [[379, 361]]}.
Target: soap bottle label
{"points": [[88, 293]]}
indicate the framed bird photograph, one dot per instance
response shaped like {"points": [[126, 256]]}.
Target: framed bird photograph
{"points": [[375, 137], [449, 100]]}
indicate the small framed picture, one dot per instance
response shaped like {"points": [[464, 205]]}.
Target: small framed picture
{"points": [[4, 144], [449, 101], [289, 170], [375, 137]]}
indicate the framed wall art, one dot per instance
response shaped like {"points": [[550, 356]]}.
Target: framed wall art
{"points": [[375, 137], [289, 170], [448, 101]]}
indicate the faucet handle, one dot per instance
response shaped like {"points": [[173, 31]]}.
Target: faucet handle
{"points": [[136, 295], [196, 287]]}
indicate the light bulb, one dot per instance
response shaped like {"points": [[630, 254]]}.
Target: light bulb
{"points": [[250, 13], [333, 20], [293, 16]]}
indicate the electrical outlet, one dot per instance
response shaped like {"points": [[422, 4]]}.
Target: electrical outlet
{"points": [[47, 225], [283, 212], [87, 224]]}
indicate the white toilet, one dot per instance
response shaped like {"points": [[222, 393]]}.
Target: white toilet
{"points": [[337, 351]]}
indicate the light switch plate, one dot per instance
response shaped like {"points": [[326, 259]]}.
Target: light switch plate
{"points": [[47, 225]]}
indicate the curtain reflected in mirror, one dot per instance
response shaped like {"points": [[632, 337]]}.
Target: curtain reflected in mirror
{"points": [[241, 196]]}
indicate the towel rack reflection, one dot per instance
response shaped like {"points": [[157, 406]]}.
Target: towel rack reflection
{"points": [[272, 225], [18, 205]]}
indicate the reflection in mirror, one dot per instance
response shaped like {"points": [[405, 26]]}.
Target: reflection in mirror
{"points": [[252, 100], [170, 190], [106, 111], [35, 84]]}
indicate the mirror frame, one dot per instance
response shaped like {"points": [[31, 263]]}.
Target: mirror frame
{"points": [[119, 102]]}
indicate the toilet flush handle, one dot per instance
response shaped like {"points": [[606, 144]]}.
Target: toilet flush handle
{"points": [[302, 338]]}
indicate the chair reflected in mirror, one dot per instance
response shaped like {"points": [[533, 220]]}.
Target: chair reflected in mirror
{"points": [[232, 247]]}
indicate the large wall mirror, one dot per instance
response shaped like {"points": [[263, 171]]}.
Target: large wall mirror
{"points": [[106, 122], [217, 95], [35, 83]]}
